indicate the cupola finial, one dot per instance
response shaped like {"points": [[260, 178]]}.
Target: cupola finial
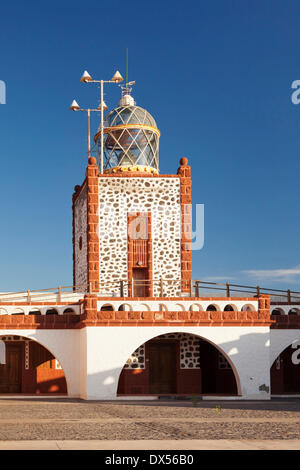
{"points": [[127, 99]]}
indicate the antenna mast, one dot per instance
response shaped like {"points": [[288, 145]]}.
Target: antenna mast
{"points": [[127, 65]]}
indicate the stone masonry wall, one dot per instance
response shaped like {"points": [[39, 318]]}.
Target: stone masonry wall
{"points": [[117, 197], [80, 240], [189, 352]]}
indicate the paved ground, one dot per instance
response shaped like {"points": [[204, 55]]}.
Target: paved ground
{"points": [[231, 424]]}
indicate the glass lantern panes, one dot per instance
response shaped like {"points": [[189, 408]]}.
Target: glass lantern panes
{"points": [[130, 146], [129, 115]]}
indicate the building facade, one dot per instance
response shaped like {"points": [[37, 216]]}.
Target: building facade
{"points": [[134, 323]]}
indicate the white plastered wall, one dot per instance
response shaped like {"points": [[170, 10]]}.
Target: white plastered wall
{"points": [[109, 348]]}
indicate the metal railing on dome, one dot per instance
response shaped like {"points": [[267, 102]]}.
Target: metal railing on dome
{"points": [[159, 288]]}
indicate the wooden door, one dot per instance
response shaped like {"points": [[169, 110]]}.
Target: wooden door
{"points": [[139, 276], [162, 367], [10, 373]]}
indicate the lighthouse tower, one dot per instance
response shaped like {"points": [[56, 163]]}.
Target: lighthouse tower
{"points": [[131, 225]]}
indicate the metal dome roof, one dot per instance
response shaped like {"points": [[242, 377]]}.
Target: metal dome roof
{"points": [[129, 115]]}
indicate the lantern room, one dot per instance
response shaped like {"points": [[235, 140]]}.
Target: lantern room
{"points": [[130, 139]]}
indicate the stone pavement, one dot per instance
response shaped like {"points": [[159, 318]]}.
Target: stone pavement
{"points": [[64, 423]]}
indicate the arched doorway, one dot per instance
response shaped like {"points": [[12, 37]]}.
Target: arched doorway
{"points": [[285, 371], [30, 368], [177, 364]]}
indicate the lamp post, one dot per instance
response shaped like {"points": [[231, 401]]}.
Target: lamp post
{"points": [[75, 107], [86, 78]]}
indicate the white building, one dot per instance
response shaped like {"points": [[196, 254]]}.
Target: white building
{"points": [[135, 324]]}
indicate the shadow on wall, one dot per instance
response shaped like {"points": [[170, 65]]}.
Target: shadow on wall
{"points": [[249, 357]]}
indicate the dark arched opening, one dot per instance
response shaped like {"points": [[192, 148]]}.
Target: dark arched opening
{"points": [[285, 371], [293, 311], [107, 308], [177, 364], [276, 311], [69, 311], [229, 308], [211, 308], [30, 368], [51, 311]]}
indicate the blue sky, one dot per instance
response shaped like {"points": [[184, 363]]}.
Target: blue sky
{"points": [[216, 75]]}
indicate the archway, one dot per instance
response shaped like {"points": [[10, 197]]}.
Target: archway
{"points": [[69, 311], [107, 308], [196, 308], [212, 308], [18, 311], [247, 308], [30, 368], [125, 307], [230, 308], [277, 311], [294, 311], [51, 311], [177, 364], [34, 311], [285, 371]]}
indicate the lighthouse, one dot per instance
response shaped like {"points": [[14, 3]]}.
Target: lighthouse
{"points": [[135, 323], [131, 224]]}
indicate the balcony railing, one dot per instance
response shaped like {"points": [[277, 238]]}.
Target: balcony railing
{"points": [[124, 288]]}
